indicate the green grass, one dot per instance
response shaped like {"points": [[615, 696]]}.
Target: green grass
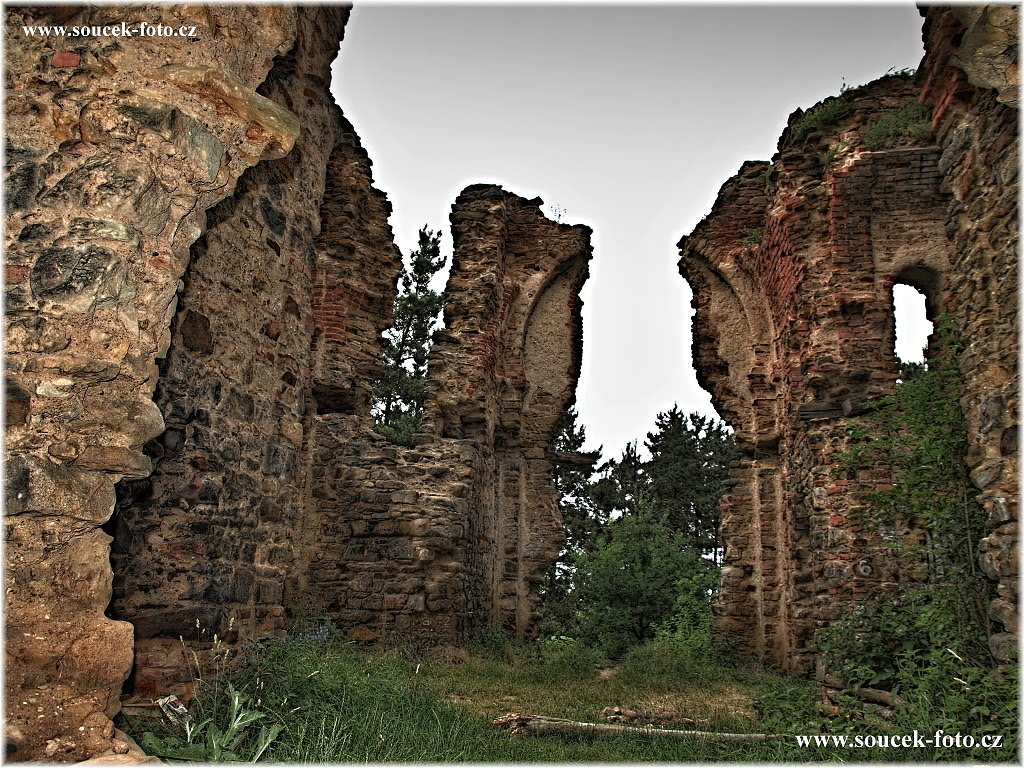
{"points": [[335, 703]]}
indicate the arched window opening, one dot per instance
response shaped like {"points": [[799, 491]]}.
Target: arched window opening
{"points": [[913, 327]]}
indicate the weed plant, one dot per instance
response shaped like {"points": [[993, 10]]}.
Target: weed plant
{"points": [[911, 121], [204, 739], [928, 641], [828, 112], [751, 237]]}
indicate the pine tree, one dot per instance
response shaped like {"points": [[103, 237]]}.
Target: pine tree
{"points": [[583, 522], [690, 457], [399, 394], [623, 486]]}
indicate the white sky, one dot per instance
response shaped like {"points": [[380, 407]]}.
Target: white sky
{"points": [[629, 118]]}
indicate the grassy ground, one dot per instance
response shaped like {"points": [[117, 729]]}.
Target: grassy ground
{"points": [[329, 702]]}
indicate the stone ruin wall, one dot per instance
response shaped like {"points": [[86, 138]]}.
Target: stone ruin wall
{"points": [[207, 544], [106, 192], [794, 332], [503, 372], [454, 534], [970, 80], [198, 272]]}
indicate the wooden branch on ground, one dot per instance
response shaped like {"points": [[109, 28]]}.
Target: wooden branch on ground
{"points": [[875, 696], [540, 724]]}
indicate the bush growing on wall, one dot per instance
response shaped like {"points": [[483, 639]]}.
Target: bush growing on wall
{"points": [[929, 640]]}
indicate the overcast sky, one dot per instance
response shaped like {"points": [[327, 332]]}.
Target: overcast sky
{"points": [[629, 118]]}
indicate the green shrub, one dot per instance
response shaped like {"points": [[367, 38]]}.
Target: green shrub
{"points": [[688, 629], [926, 642], [496, 643], [790, 705], [828, 112], [910, 121], [631, 582], [402, 429], [751, 237]]}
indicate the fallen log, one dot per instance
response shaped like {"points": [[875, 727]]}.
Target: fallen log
{"points": [[517, 723], [875, 696]]}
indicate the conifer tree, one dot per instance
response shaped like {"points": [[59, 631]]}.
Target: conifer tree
{"points": [[399, 394], [583, 521], [690, 457], [623, 484]]}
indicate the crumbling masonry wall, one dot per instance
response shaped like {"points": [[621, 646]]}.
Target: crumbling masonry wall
{"points": [[792, 275], [501, 374], [205, 545], [198, 274], [970, 79], [455, 533], [116, 148]]}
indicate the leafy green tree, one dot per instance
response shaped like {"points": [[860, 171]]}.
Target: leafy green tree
{"points": [[628, 584], [399, 394], [686, 474]]}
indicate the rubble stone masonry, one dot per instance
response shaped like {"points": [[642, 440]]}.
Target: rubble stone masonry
{"points": [[970, 80], [116, 147], [792, 275], [455, 533], [205, 545], [198, 273], [502, 373]]}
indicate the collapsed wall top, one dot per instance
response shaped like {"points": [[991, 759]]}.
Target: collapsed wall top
{"points": [[502, 373], [455, 533]]}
